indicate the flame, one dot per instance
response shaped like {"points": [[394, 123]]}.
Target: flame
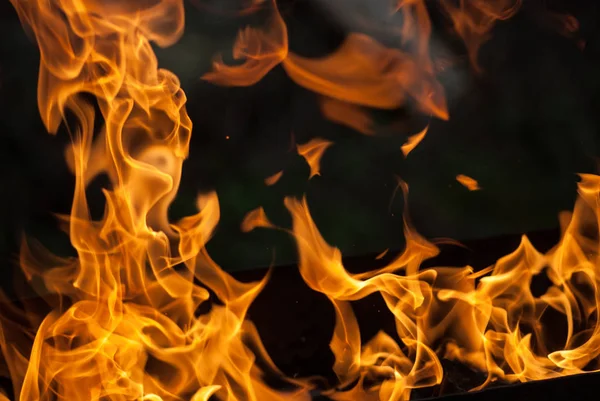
{"points": [[123, 322], [123, 319], [382, 254], [255, 218], [261, 50], [362, 71], [347, 114], [470, 183], [409, 298], [473, 20], [413, 141], [272, 180], [313, 151], [516, 342], [490, 320]]}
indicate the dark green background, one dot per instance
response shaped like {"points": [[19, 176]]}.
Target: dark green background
{"points": [[523, 129]]}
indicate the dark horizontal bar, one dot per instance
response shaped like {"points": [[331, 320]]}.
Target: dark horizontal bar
{"points": [[582, 387]]}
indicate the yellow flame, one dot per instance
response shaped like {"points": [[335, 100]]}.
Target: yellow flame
{"points": [[126, 325]]}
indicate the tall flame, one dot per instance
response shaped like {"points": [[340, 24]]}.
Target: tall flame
{"points": [[126, 322]]}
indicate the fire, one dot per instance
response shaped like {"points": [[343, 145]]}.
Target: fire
{"points": [[312, 152], [413, 141], [347, 114], [468, 182], [255, 218], [123, 318], [273, 179], [123, 321]]}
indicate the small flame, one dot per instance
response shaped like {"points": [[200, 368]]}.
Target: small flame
{"points": [[473, 20], [470, 183], [413, 141], [261, 50], [313, 151], [272, 180], [382, 254], [255, 218]]}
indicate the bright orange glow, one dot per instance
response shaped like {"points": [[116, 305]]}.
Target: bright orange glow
{"points": [[261, 50], [122, 321], [470, 183], [313, 151], [123, 324], [255, 218], [413, 141], [364, 72]]}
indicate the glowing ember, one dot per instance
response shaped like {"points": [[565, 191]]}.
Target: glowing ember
{"points": [[468, 182], [124, 322]]}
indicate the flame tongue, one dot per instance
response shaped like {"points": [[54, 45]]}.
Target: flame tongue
{"points": [[126, 327], [496, 325]]}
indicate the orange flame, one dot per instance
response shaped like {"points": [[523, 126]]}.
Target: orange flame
{"points": [[470, 183], [312, 152], [124, 320], [261, 50], [255, 218], [473, 20], [413, 141], [272, 180], [347, 114], [126, 325], [362, 71], [382, 254]]}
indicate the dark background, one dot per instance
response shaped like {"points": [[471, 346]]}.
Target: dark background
{"points": [[523, 128]]}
